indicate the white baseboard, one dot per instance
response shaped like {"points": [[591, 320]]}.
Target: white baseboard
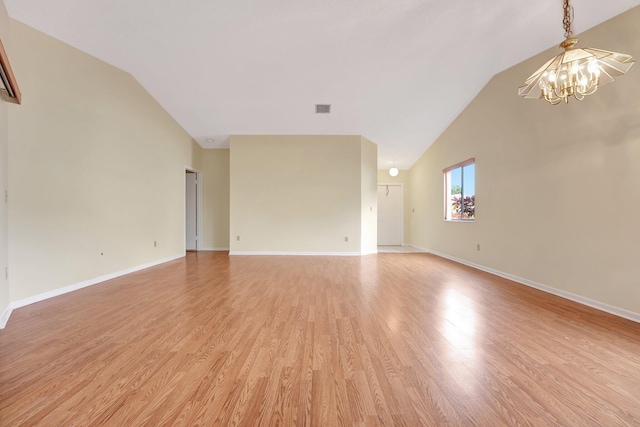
{"points": [[295, 253], [215, 249], [621, 312], [415, 247], [90, 282], [5, 316]]}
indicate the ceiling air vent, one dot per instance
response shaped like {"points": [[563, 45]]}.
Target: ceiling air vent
{"points": [[323, 108]]}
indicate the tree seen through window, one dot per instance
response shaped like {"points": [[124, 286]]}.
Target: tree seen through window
{"points": [[460, 192]]}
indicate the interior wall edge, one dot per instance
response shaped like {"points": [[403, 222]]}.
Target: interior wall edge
{"points": [[598, 305]]}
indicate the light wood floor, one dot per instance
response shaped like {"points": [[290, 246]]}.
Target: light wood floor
{"points": [[387, 339]]}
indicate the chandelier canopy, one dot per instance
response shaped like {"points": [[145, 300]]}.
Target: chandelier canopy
{"points": [[574, 72]]}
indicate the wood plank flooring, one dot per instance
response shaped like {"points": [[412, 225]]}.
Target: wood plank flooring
{"points": [[380, 340]]}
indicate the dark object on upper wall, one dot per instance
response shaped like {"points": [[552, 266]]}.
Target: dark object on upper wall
{"points": [[10, 92]]}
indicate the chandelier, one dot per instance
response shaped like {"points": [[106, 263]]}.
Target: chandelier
{"points": [[574, 72], [393, 171]]}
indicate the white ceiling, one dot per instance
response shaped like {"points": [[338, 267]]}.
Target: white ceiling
{"points": [[395, 71]]}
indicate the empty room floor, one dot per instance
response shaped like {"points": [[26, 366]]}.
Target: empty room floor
{"points": [[386, 339]]}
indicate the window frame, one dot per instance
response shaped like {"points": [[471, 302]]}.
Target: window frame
{"points": [[9, 90], [447, 190]]}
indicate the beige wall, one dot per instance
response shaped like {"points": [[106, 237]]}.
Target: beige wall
{"points": [[215, 175], [97, 167], [4, 129], [196, 156], [557, 187], [296, 194], [369, 197]]}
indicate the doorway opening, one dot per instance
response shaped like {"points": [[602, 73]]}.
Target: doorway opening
{"points": [[193, 210], [390, 215]]}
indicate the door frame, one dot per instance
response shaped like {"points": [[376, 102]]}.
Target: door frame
{"points": [[199, 232], [401, 185]]}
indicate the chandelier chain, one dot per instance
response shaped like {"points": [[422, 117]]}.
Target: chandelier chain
{"points": [[567, 19]]}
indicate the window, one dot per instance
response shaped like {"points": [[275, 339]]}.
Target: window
{"points": [[10, 91], [460, 191]]}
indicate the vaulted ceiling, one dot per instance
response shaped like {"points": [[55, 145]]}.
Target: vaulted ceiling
{"points": [[397, 72]]}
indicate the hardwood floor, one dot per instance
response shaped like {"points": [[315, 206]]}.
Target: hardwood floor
{"points": [[387, 339]]}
